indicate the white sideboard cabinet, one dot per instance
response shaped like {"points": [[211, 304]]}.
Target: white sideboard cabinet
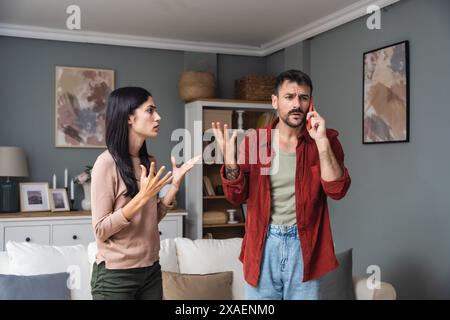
{"points": [[68, 228]]}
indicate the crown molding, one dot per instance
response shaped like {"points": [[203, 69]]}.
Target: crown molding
{"points": [[324, 24], [23, 31], [319, 26]]}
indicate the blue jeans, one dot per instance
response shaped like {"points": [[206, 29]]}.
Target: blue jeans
{"points": [[282, 269]]}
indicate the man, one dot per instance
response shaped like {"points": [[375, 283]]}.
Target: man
{"points": [[288, 244]]}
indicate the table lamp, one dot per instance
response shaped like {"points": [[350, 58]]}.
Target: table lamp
{"points": [[13, 163]]}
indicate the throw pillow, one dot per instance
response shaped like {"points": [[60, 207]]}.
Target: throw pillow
{"points": [[338, 284], [39, 287], [213, 286], [204, 256], [28, 259]]}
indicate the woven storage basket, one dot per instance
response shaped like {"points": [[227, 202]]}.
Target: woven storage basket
{"points": [[196, 85], [258, 88]]}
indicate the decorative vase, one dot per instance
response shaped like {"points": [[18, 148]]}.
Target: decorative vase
{"points": [[86, 202], [240, 122]]}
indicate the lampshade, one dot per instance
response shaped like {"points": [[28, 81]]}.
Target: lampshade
{"points": [[13, 162]]}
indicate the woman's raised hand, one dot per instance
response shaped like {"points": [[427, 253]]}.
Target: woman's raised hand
{"points": [[179, 173], [150, 185]]}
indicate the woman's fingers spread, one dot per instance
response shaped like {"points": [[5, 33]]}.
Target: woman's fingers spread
{"points": [[172, 160], [194, 160], [167, 178], [152, 169], [143, 171], [160, 172]]}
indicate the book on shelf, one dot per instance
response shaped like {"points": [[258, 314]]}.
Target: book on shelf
{"points": [[214, 115], [208, 187]]}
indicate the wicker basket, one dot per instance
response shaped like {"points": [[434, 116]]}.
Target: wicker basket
{"points": [[258, 88], [196, 85]]}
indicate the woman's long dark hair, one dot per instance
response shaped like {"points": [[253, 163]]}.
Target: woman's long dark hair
{"points": [[122, 103]]}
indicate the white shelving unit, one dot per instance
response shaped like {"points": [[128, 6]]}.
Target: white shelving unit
{"points": [[194, 179]]}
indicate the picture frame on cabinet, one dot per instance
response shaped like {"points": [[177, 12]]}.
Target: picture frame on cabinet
{"points": [[59, 200], [34, 196]]}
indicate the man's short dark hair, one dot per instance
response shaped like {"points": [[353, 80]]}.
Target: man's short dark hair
{"points": [[296, 76]]}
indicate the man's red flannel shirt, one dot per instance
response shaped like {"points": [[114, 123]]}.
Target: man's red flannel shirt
{"points": [[311, 193]]}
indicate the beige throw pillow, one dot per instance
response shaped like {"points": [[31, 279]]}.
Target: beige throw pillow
{"points": [[212, 286]]}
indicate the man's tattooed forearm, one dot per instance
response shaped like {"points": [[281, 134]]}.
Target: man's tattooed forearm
{"points": [[232, 173]]}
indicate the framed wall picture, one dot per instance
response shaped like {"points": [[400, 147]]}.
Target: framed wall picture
{"points": [[34, 196], [59, 200], [80, 106], [386, 94]]}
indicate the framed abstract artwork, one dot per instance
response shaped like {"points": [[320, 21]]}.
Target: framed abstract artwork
{"points": [[80, 106], [386, 94]]}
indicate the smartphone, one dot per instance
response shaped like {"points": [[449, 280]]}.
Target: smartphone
{"points": [[311, 108]]}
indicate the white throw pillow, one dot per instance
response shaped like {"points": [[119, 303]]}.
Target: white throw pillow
{"points": [[204, 256], [33, 259], [167, 255]]}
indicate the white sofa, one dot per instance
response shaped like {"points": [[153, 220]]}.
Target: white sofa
{"points": [[176, 255]]}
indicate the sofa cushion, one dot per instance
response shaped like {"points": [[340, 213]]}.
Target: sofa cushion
{"points": [[181, 286], [40, 287], [33, 259], [338, 284], [204, 256]]}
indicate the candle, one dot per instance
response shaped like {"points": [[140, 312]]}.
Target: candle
{"points": [[71, 190], [54, 181], [65, 178]]}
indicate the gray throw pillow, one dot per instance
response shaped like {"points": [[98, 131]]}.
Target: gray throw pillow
{"points": [[39, 287], [338, 284]]}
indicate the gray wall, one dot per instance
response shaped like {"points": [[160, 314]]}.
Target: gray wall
{"points": [[397, 212], [232, 67], [275, 63], [298, 56]]}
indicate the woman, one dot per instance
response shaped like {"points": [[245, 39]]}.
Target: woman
{"points": [[125, 209]]}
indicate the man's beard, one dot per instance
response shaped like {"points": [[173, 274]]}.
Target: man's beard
{"points": [[290, 123]]}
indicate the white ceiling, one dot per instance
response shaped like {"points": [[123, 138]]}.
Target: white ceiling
{"points": [[251, 27]]}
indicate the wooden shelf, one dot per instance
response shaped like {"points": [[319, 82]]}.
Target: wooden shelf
{"points": [[225, 225], [213, 197]]}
